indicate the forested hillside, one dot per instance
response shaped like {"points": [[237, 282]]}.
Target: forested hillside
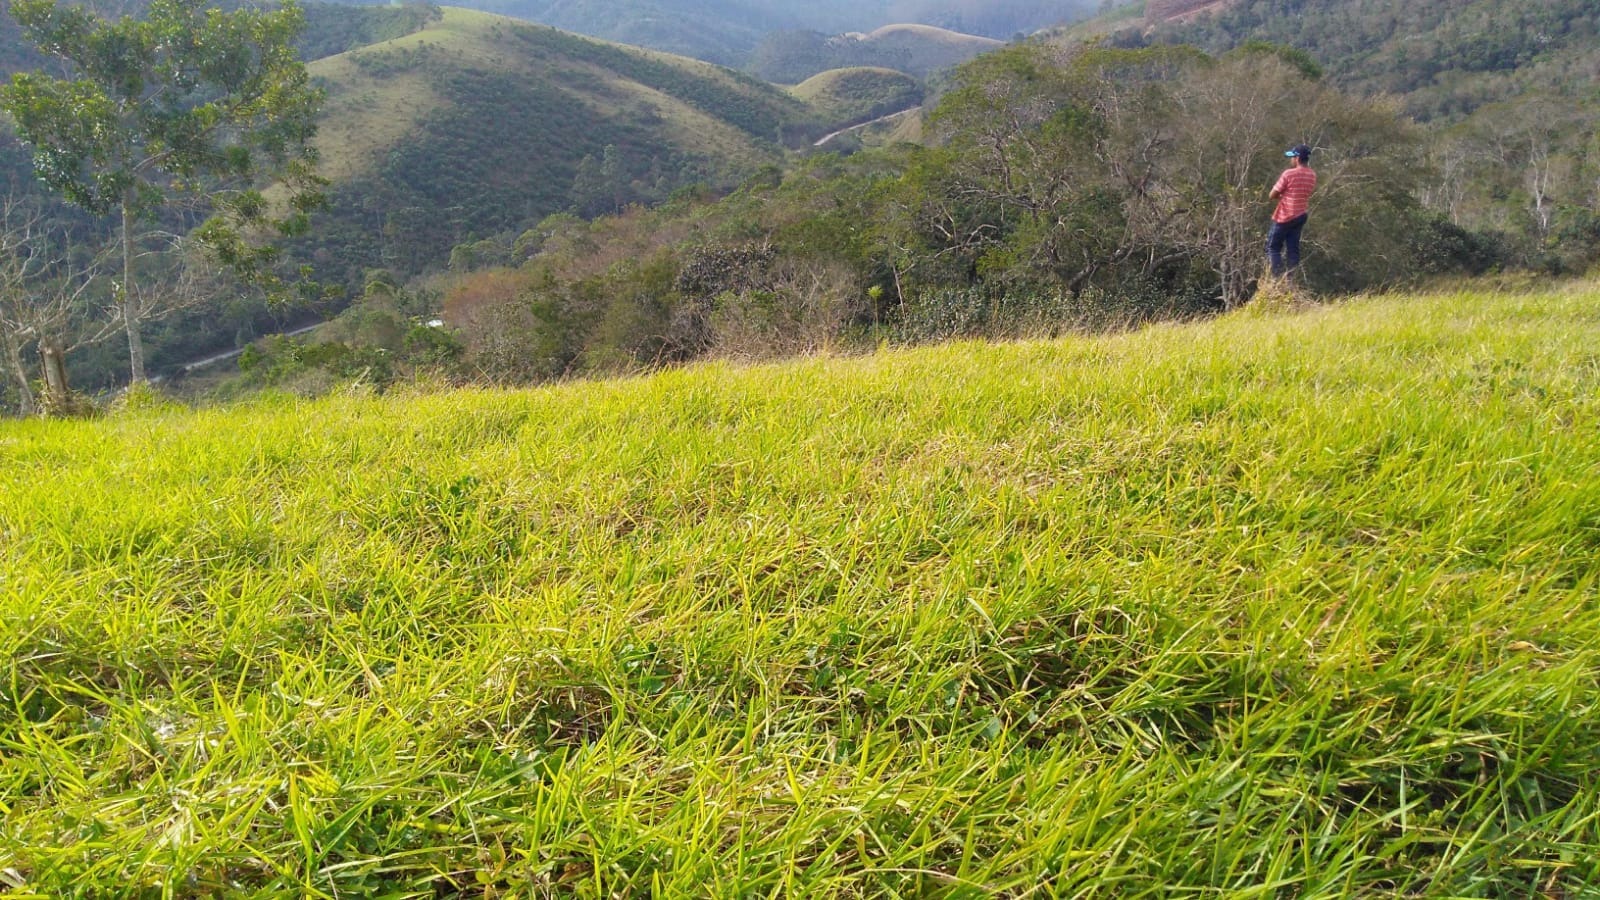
{"points": [[726, 31], [1446, 57], [789, 57], [1505, 86]]}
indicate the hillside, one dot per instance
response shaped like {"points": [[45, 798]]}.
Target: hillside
{"points": [[478, 125], [727, 31], [1506, 88], [919, 50], [929, 49], [720, 31], [1447, 58], [1296, 605], [855, 95]]}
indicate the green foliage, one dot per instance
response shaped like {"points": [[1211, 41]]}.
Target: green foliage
{"points": [[187, 100], [1506, 85], [1295, 605], [1300, 59], [186, 93]]}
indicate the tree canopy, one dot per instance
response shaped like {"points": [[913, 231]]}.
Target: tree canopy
{"points": [[188, 100]]}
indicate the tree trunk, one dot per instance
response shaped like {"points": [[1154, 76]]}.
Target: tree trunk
{"points": [[56, 394], [13, 350], [129, 301]]}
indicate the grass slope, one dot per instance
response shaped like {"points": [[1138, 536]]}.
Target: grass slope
{"points": [[479, 124], [372, 107], [926, 49], [859, 94], [1266, 606]]}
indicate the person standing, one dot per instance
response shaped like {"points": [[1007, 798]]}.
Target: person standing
{"points": [[1293, 193]]}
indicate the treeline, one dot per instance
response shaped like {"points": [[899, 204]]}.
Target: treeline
{"points": [[1504, 86], [1116, 187], [1442, 55]]}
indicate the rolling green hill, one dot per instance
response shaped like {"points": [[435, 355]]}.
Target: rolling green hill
{"points": [[793, 56], [479, 124], [859, 94], [1291, 605], [726, 31]]}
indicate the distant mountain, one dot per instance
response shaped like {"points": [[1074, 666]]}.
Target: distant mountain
{"points": [[728, 31], [1003, 19], [790, 57]]}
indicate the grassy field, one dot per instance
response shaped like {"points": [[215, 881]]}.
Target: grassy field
{"points": [[1270, 606]]}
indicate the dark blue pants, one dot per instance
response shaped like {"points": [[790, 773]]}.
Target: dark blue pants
{"points": [[1285, 236]]}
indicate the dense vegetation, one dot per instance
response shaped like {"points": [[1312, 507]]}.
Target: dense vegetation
{"points": [[1123, 186], [1296, 605], [1434, 52], [1506, 86]]}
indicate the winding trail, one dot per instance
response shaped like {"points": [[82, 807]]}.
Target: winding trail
{"points": [[188, 367], [880, 119]]}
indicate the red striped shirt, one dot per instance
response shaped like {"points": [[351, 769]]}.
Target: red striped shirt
{"points": [[1294, 191]]}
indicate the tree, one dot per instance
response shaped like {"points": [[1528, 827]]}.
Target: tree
{"points": [[42, 283], [190, 101], [1083, 167]]}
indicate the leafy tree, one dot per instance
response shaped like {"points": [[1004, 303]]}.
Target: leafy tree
{"points": [[188, 101]]}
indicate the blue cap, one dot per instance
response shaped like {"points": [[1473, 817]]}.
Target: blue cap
{"points": [[1301, 151]]}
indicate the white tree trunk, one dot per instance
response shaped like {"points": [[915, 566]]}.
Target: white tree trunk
{"points": [[131, 313]]}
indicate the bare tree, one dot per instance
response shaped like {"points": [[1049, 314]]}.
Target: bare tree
{"points": [[42, 291]]}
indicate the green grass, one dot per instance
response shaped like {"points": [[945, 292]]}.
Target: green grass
{"points": [[1272, 606], [859, 94]]}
